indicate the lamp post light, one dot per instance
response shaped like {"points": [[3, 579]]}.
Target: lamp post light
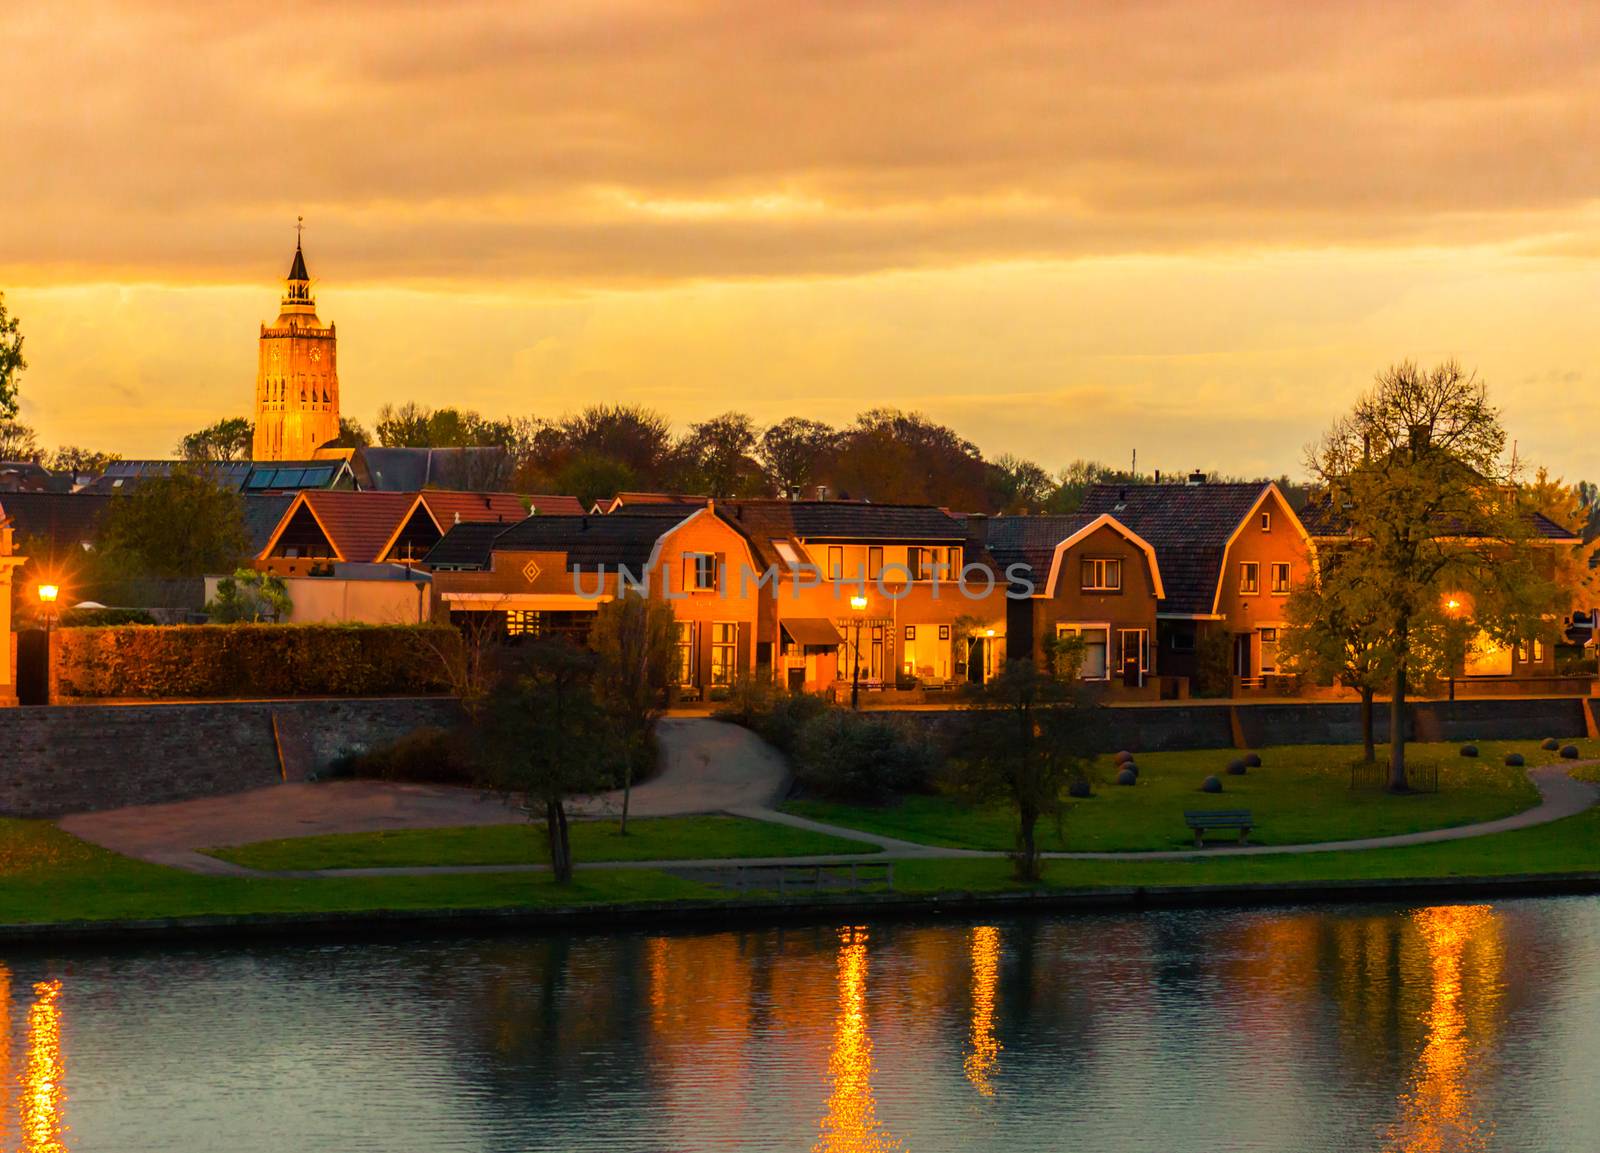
{"points": [[47, 593], [1452, 608], [859, 605]]}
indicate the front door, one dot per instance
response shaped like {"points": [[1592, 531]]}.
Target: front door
{"points": [[1131, 653], [1243, 664], [33, 667]]}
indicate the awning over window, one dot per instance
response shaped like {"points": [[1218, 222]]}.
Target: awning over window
{"points": [[813, 632]]}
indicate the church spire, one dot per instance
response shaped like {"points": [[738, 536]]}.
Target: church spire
{"points": [[297, 288]]}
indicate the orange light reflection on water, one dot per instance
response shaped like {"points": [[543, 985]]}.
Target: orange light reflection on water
{"points": [[984, 1054], [851, 1124], [44, 1089], [1436, 1113]]}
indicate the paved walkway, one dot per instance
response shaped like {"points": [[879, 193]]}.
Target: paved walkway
{"points": [[707, 767]]}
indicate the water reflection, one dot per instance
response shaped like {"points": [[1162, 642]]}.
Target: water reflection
{"points": [[44, 1091], [1439, 1109], [851, 1124], [984, 1048]]}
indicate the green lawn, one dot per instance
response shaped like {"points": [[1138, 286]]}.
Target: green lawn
{"points": [[652, 839], [1301, 794]]}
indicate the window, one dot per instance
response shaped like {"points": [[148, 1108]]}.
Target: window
{"points": [[1269, 651], [1249, 578], [874, 562], [686, 661], [786, 550], [952, 561], [1102, 575], [922, 561], [699, 571], [944, 632], [1266, 522], [1538, 651], [835, 562], [1280, 577], [1096, 649], [1133, 647], [724, 652], [522, 623], [911, 632], [1183, 640]]}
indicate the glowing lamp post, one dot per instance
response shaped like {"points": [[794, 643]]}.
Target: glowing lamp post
{"points": [[1452, 608], [858, 605]]}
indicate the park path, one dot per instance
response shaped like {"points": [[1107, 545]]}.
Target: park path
{"points": [[707, 767]]}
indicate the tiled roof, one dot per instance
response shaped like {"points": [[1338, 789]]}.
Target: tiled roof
{"points": [[552, 505], [414, 469], [447, 506], [239, 475], [588, 541], [359, 524], [1029, 540], [64, 520], [1187, 524], [850, 520], [468, 545]]}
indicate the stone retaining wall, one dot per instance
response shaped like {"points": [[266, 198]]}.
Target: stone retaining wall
{"points": [[73, 758]]}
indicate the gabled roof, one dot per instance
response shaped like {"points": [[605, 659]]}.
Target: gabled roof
{"points": [[1039, 542], [238, 475], [649, 502], [444, 509], [1324, 522], [549, 504], [263, 513], [414, 469], [1189, 525], [357, 524]]}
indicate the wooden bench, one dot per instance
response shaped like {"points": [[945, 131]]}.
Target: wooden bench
{"points": [[1204, 819]]}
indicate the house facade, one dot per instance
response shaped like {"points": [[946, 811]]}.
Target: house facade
{"points": [[9, 564]]}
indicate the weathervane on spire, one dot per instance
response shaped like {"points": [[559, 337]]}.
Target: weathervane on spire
{"points": [[299, 224]]}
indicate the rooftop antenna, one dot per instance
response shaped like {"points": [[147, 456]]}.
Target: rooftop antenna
{"points": [[1135, 473]]}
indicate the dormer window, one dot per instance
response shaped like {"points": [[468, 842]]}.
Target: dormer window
{"points": [[700, 571], [1101, 575]]}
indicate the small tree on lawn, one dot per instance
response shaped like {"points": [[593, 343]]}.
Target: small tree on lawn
{"points": [[543, 736], [1431, 514], [636, 640], [1024, 741], [250, 596]]}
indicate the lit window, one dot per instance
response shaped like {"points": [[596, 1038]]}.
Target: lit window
{"points": [[911, 632], [874, 562], [724, 653], [522, 623], [1249, 578], [944, 632], [686, 652], [1280, 576], [1102, 575], [786, 551], [835, 562]]}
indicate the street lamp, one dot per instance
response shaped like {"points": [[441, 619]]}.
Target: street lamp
{"points": [[859, 605], [1452, 608], [47, 594]]}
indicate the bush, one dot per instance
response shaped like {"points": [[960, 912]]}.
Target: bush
{"points": [[774, 713], [1213, 664], [849, 756], [248, 660], [429, 756], [102, 618]]}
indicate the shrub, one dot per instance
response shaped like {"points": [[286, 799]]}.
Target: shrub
{"points": [[1213, 664], [429, 756], [198, 661], [849, 756], [774, 713], [101, 618]]}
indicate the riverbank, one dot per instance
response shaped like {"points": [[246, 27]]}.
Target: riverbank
{"points": [[55, 888]]}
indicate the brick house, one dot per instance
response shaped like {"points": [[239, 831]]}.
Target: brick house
{"points": [[550, 574], [1086, 576], [1229, 555]]}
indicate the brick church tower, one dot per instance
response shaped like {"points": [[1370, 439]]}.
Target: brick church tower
{"points": [[297, 377]]}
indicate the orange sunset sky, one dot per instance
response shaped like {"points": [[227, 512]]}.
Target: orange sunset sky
{"points": [[1068, 230]]}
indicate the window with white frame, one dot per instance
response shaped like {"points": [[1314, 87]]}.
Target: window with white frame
{"points": [[1266, 522], [874, 562], [1280, 577], [686, 662], [1101, 575], [1249, 577], [836, 562], [1133, 645], [724, 652], [1096, 649], [1269, 651], [699, 571]]}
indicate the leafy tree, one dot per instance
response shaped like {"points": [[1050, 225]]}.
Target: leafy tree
{"points": [[636, 639], [351, 434], [11, 364], [183, 525], [1574, 508], [412, 425], [891, 457], [590, 478], [1024, 741], [716, 457], [71, 458], [1018, 486], [18, 441], [1432, 514], [230, 439], [796, 453], [1074, 483], [1334, 637], [544, 736], [250, 596]]}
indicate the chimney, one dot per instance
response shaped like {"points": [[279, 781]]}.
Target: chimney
{"points": [[1122, 496], [1158, 476], [822, 492], [458, 516], [794, 492], [1197, 477]]}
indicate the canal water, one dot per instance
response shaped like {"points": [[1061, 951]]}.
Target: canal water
{"points": [[1427, 1028]]}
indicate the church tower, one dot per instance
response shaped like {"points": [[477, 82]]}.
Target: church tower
{"points": [[297, 376]]}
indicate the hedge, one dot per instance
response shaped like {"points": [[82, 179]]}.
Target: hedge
{"points": [[144, 662]]}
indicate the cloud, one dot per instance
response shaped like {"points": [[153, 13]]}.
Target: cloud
{"points": [[628, 143]]}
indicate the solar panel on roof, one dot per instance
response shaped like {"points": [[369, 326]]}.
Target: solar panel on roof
{"points": [[317, 476], [288, 478], [261, 478]]}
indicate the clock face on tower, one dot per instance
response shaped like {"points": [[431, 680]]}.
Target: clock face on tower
{"points": [[316, 355]]}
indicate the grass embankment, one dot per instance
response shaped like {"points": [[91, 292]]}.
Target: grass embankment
{"points": [[47, 875], [650, 839], [1300, 795]]}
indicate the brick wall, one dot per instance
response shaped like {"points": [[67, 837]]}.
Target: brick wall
{"points": [[78, 757]]}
